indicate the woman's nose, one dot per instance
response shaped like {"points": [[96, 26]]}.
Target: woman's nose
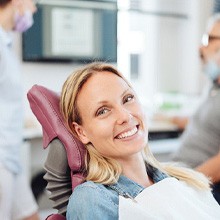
{"points": [[123, 115]]}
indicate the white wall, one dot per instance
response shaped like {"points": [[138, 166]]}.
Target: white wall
{"points": [[166, 34], [51, 75]]}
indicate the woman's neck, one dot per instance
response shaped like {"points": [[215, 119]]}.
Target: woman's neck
{"points": [[134, 168]]}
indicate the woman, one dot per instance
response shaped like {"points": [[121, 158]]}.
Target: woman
{"points": [[123, 179]]}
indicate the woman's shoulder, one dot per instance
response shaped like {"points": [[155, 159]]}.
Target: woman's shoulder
{"points": [[91, 200], [87, 191], [93, 192]]}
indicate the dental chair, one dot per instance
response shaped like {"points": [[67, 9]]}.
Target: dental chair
{"points": [[65, 160]]}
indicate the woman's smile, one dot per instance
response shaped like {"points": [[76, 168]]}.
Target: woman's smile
{"points": [[127, 134]]}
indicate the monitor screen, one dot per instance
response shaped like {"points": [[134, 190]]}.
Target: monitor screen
{"points": [[72, 31]]}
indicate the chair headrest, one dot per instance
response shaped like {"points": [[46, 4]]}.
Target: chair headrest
{"points": [[45, 105]]}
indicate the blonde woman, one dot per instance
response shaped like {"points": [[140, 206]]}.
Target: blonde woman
{"points": [[123, 179]]}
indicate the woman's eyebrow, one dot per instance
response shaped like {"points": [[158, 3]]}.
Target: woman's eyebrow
{"points": [[125, 91], [103, 102]]}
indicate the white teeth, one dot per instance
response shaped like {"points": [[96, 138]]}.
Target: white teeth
{"points": [[128, 133]]}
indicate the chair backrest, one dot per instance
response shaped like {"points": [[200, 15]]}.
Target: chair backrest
{"points": [[45, 105]]}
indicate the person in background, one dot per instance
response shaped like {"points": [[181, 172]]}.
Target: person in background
{"points": [[200, 141], [123, 179], [16, 198]]}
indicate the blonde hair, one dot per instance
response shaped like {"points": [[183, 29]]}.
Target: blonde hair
{"points": [[101, 169]]}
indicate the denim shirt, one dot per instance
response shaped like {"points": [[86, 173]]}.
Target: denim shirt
{"points": [[97, 201]]}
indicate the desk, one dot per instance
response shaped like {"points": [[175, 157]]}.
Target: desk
{"points": [[31, 133], [33, 154], [163, 148]]}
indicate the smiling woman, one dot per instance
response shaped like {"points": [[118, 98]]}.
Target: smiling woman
{"points": [[111, 116], [103, 111]]}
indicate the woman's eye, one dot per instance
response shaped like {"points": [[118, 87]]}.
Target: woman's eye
{"points": [[102, 111], [128, 98]]}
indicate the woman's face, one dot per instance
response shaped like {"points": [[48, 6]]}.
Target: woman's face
{"points": [[112, 117]]}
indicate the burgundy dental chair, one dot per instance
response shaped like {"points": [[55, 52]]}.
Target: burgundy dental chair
{"points": [[65, 160]]}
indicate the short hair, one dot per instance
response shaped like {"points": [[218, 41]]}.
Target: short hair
{"points": [[4, 2], [215, 18]]}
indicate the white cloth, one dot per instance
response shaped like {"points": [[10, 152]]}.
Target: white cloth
{"points": [[11, 105], [16, 198], [170, 199]]}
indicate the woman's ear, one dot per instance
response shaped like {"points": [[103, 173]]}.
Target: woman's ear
{"points": [[81, 133]]}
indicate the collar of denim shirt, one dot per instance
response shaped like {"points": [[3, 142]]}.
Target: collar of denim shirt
{"points": [[130, 189]]}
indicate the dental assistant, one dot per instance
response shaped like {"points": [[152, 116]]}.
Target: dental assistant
{"points": [[16, 199]]}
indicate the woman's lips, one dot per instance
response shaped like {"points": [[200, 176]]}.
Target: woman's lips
{"points": [[128, 133]]}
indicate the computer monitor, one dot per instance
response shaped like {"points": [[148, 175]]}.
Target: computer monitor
{"points": [[66, 30]]}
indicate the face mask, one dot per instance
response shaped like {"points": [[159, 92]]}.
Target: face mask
{"points": [[23, 22], [212, 70]]}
